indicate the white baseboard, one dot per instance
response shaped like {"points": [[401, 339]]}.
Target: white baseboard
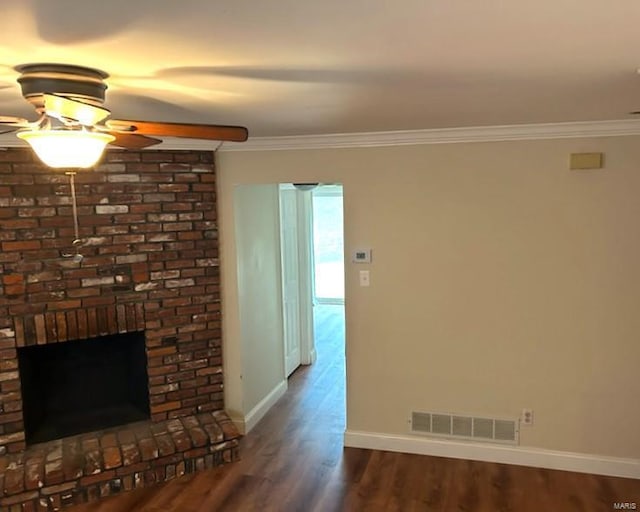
{"points": [[246, 424], [518, 455]]}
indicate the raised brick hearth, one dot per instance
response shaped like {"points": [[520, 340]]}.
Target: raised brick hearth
{"points": [[86, 467], [150, 263]]}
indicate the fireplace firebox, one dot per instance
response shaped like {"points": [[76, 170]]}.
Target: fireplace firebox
{"points": [[82, 386]]}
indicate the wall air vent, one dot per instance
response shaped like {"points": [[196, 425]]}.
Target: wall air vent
{"points": [[459, 426]]}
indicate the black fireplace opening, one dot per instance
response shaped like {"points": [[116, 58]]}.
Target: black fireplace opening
{"points": [[81, 386]]}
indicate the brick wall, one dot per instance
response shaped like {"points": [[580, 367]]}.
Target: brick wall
{"points": [[150, 263]]}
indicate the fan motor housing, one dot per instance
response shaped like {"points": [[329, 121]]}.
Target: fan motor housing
{"points": [[75, 82]]}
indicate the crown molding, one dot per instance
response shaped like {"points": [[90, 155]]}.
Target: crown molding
{"points": [[614, 128], [580, 129]]}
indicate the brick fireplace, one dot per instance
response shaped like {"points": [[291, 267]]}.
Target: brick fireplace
{"points": [[149, 267]]}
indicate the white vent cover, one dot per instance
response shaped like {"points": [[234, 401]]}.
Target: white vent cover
{"points": [[496, 430]]}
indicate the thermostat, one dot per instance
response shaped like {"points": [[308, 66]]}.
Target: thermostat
{"points": [[361, 256]]}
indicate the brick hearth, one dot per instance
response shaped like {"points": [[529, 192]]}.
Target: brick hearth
{"points": [[150, 263], [86, 467]]}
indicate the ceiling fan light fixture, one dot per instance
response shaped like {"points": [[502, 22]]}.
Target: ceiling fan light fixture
{"points": [[67, 148]]}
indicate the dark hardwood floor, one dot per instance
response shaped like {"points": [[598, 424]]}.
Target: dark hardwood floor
{"points": [[294, 461]]}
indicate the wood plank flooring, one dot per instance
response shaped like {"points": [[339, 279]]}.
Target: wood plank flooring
{"points": [[294, 461]]}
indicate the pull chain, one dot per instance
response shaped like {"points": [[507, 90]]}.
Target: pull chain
{"points": [[76, 227], [74, 206]]}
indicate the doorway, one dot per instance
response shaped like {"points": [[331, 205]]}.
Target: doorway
{"points": [[328, 245], [328, 270]]}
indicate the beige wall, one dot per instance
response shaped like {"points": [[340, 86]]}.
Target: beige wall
{"points": [[254, 362], [500, 280]]}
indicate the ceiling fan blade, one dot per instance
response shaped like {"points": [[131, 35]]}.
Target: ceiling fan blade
{"points": [[132, 140], [62, 108], [18, 122], [189, 131]]}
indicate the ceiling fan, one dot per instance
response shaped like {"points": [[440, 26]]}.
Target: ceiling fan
{"points": [[69, 100]]}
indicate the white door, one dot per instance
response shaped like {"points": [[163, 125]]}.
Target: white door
{"points": [[296, 249], [290, 278]]}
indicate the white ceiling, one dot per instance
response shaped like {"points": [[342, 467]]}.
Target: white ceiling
{"points": [[299, 67]]}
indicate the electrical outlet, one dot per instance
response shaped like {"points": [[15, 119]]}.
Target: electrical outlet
{"points": [[526, 417]]}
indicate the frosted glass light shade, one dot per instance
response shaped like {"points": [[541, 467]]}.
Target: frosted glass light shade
{"points": [[67, 148]]}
